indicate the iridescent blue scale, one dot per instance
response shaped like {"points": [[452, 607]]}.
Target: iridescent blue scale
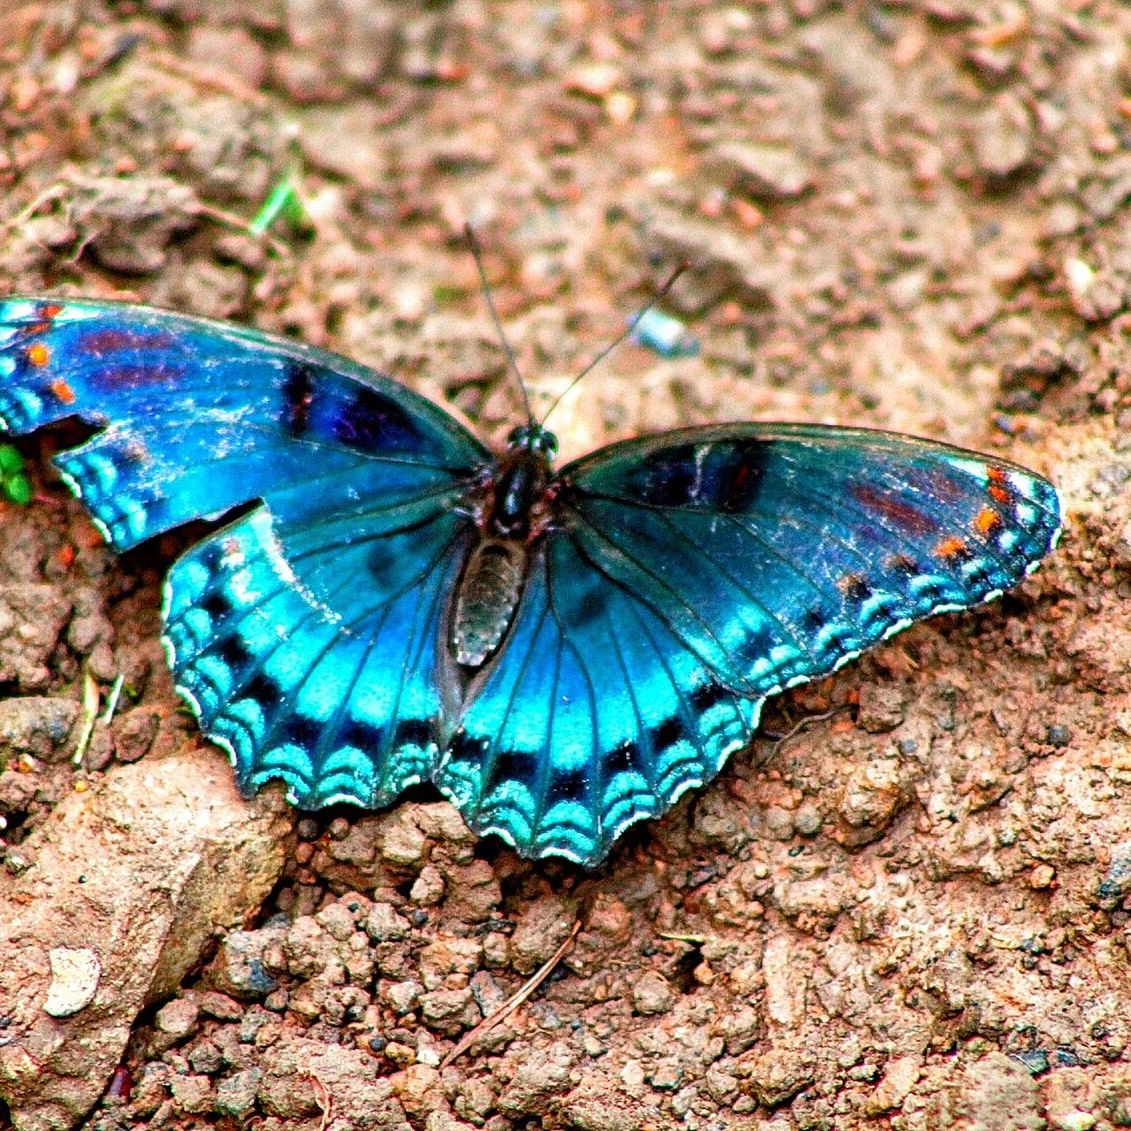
{"points": [[562, 653]]}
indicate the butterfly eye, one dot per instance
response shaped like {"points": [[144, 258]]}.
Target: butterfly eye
{"points": [[534, 438]]}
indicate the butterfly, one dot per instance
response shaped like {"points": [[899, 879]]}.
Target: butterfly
{"points": [[562, 652]]}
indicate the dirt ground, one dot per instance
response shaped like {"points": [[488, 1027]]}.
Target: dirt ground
{"points": [[915, 912]]}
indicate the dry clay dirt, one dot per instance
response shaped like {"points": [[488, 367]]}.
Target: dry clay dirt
{"points": [[913, 913]]}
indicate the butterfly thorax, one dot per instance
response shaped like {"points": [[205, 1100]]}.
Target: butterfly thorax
{"points": [[512, 510]]}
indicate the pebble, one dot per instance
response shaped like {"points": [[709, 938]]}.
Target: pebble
{"points": [[39, 726], [75, 973], [383, 924], [128, 223], [539, 1075], [428, 888], [336, 921], [239, 969], [177, 1019], [723, 263], [401, 842], [236, 1094], [652, 993], [768, 173], [134, 732], [807, 819], [1003, 139], [594, 80], [403, 997], [193, 1093], [449, 1011], [541, 930], [882, 708]]}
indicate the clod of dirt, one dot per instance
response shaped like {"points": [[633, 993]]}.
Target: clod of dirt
{"points": [[765, 172], [140, 918], [128, 224]]}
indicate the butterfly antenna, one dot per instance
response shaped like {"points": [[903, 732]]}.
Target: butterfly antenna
{"points": [[660, 294], [477, 255]]}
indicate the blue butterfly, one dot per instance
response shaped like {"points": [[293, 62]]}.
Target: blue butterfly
{"points": [[562, 652]]}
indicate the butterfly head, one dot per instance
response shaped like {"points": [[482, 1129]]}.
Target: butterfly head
{"points": [[535, 438]]}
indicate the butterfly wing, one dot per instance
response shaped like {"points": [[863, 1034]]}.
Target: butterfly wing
{"points": [[777, 552], [305, 633], [595, 715], [695, 573]]}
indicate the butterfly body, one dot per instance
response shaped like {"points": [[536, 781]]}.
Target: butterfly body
{"points": [[562, 652]]}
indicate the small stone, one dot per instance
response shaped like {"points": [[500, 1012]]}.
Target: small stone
{"points": [[871, 798], [449, 1011], [780, 1074], [1096, 295], [882, 708], [192, 1093], [383, 924], [899, 1078], [239, 969], [134, 732], [541, 930], [428, 888], [666, 1076], [401, 841], [496, 950], [540, 1074], [1003, 139], [177, 1019], [336, 921], [403, 997], [778, 822], [39, 726], [128, 223], [206, 1057], [220, 1006], [594, 80], [235, 1095], [723, 263], [767, 173], [488, 994], [652, 994], [75, 972], [807, 820]]}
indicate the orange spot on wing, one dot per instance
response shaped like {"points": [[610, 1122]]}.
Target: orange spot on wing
{"points": [[38, 354], [63, 392], [987, 521], [951, 548], [998, 488]]}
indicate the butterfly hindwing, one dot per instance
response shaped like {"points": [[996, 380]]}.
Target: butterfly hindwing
{"points": [[333, 689], [304, 634], [594, 716]]}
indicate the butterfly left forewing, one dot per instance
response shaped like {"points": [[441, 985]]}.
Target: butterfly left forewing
{"points": [[199, 416]]}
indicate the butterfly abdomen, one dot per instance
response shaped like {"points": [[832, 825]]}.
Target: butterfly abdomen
{"points": [[487, 597], [512, 514]]}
